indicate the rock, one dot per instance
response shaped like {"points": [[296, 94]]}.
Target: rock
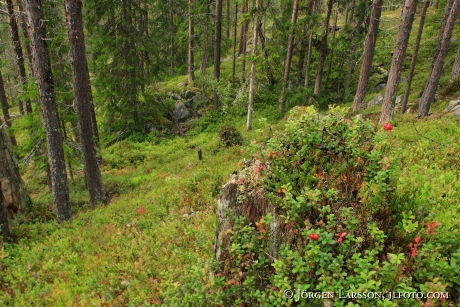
{"points": [[190, 94], [380, 86], [399, 99], [375, 101], [174, 96], [181, 112], [454, 107], [189, 103]]}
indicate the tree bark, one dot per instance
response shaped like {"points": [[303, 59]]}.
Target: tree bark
{"points": [[244, 28], [4, 102], [438, 62], [323, 49], [307, 66], [44, 75], [83, 100], [447, 10], [288, 60], [25, 33], [5, 108], [252, 78], [217, 50], [191, 38], [235, 30], [13, 189], [302, 54], [260, 32], [204, 59], [399, 56], [455, 74], [19, 54], [229, 22], [414, 57], [331, 58], [4, 226], [368, 55]]}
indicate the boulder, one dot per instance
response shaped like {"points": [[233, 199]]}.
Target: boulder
{"points": [[190, 94], [181, 112], [380, 86], [454, 107], [174, 95], [375, 101]]}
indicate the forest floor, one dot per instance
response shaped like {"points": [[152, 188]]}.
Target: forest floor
{"points": [[153, 244]]}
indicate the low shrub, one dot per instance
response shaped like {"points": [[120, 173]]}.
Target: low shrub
{"points": [[230, 136], [344, 227]]}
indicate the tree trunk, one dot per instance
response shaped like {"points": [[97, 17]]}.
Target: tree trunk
{"points": [[252, 78], [191, 38], [302, 54], [331, 58], [368, 55], [414, 57], [204, 59], [244, 41], [323, 49], [399, 56], [244, 28], [83, 100], [217, 50], [454, 75], [172, 36], [4, 102], [5, 108], [18, 52], [438, 62], [13, 189], [260, 32], [44, 75], [235, 30], [288, 60], [307, 67], [25, 33], [447, 10], [4, 227], [352, 12], [229, 22]]}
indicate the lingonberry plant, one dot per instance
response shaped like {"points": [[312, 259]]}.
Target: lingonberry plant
{"points": [[337, 223]]}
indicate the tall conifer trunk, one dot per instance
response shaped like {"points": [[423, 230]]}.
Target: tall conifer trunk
{"points": [[438, 62], [83, 100], [323, 49], [414, 57], [399, 56], [368, 55], [191, 38], [288, 60], [235, 30], [252, 77], [19, 54], [25, 33], [16, 197], [44, 75], [5, 108], [454, 75], [217, 49]]}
